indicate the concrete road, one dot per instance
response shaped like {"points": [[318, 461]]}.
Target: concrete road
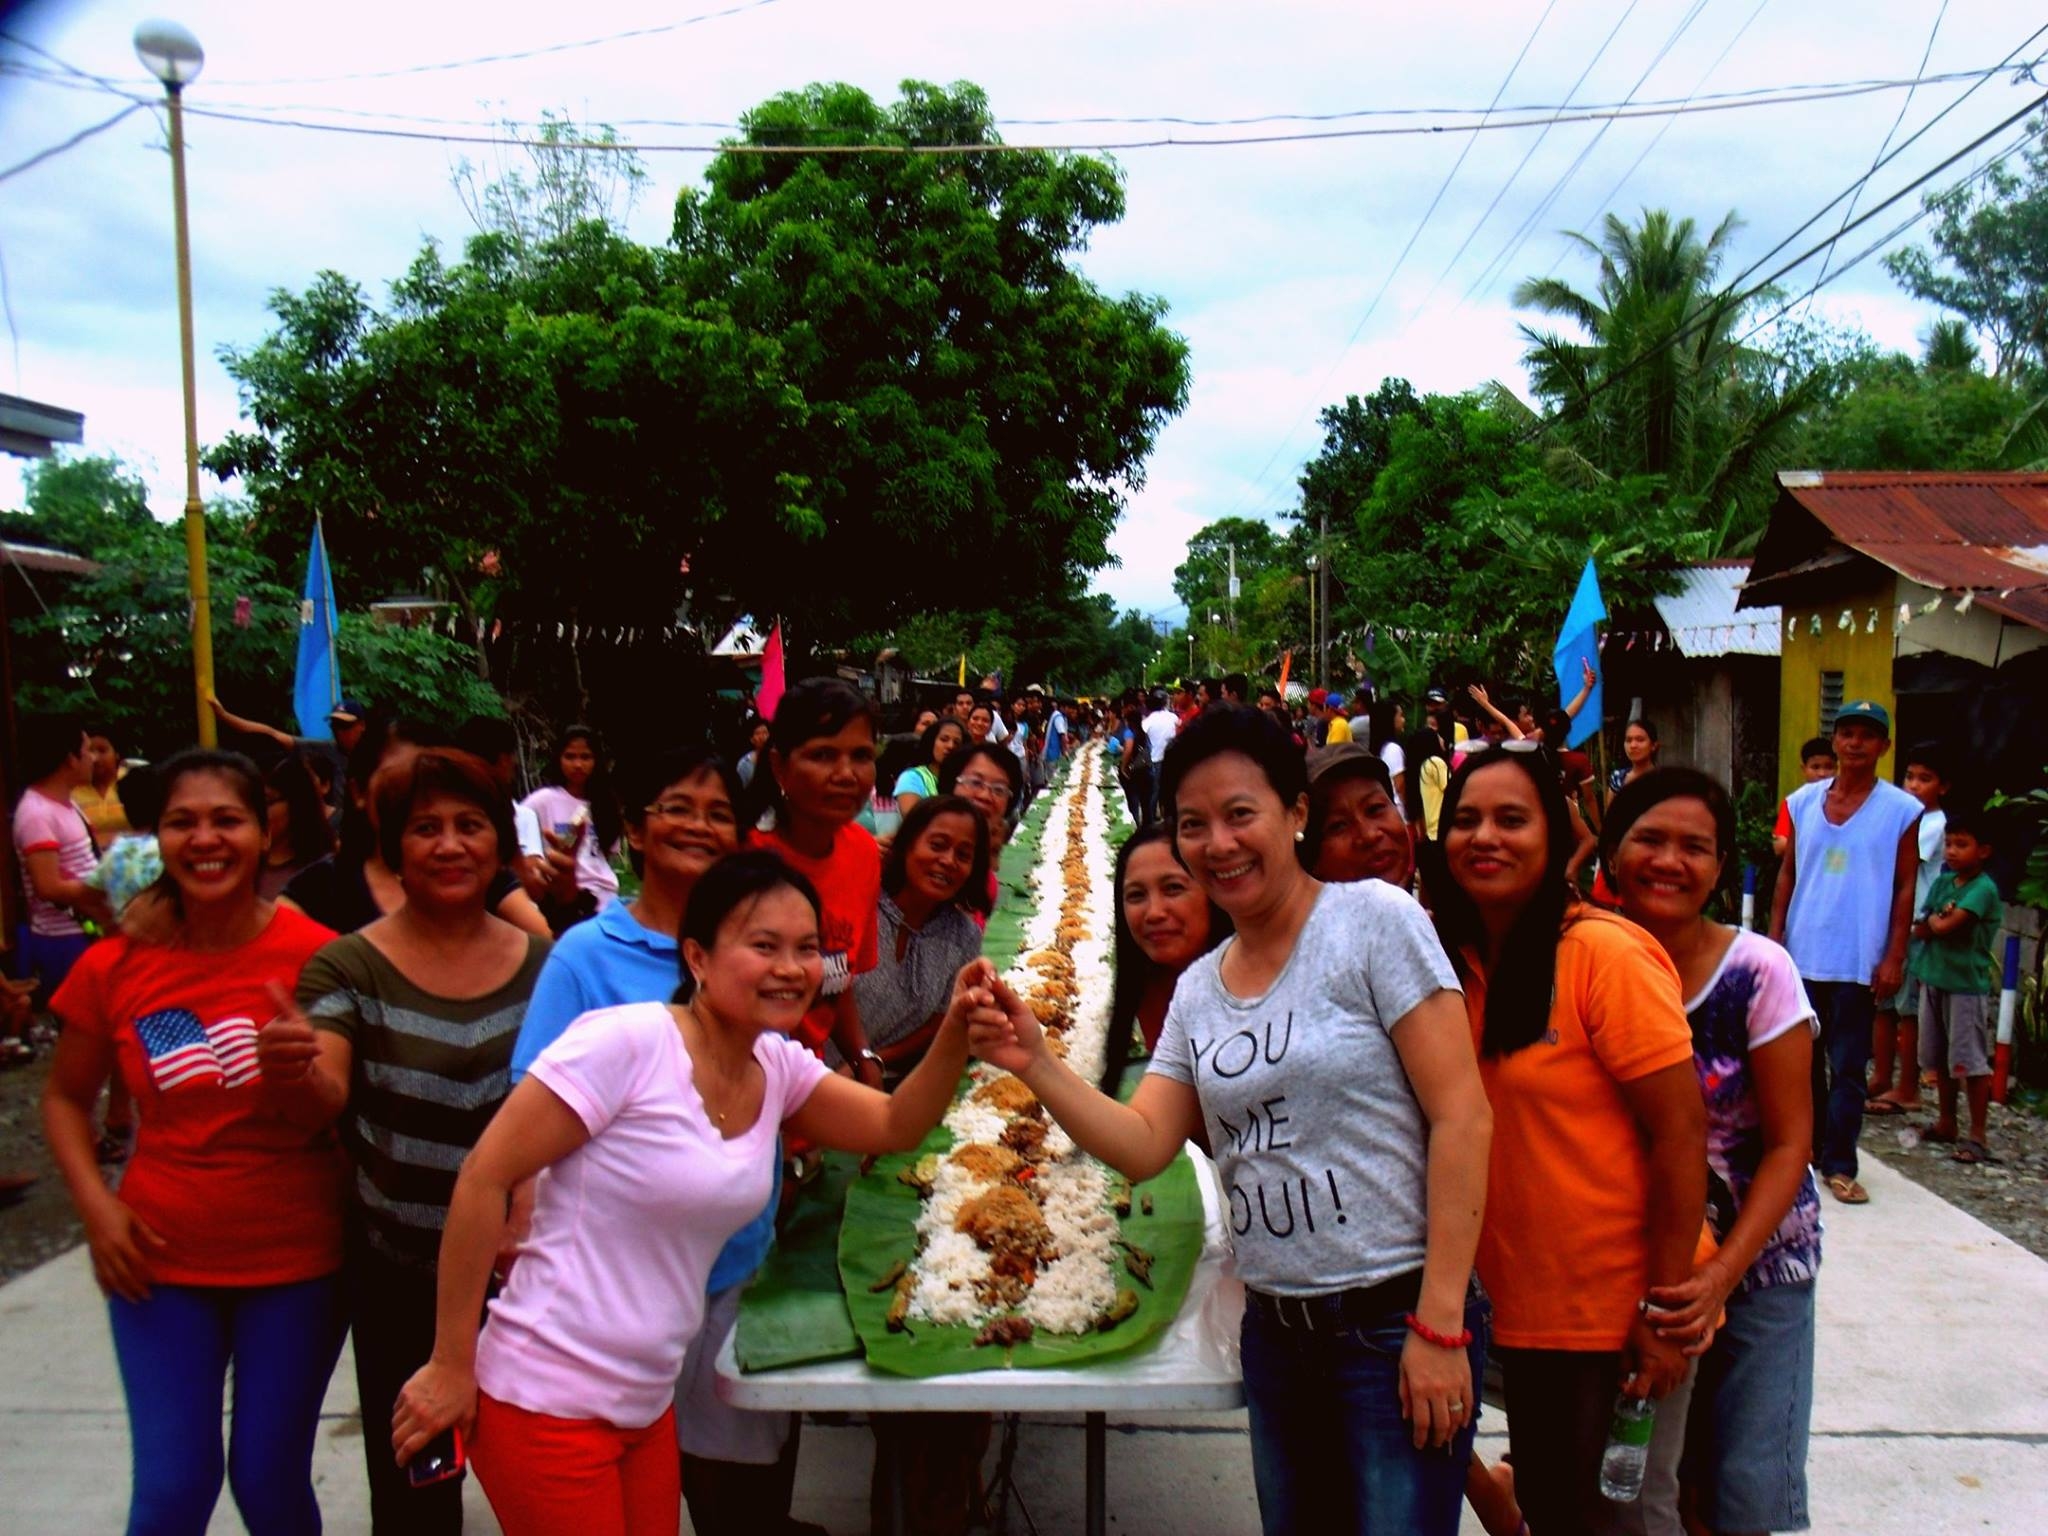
{"points": [[1930, 1416]]}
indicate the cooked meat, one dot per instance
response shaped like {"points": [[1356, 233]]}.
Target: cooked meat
{"points": [[986, 1162], [1007, 1220], [1006, 1094]]}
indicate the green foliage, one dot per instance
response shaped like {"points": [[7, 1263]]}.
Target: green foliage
{"points": [[1203, 579], [1888, 412], [75, 503], [1990, 258]]}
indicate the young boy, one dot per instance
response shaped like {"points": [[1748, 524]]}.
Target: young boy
{"points": [[1898, 1018], [1816, 762], [1958, 979]]}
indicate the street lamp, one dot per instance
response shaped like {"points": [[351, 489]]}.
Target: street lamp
{"points": [[174, 56]]}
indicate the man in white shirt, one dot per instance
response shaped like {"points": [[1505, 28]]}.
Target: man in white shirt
{"points": [[1160, 727]]}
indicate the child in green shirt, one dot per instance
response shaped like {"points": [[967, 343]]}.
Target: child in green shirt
{"points": [[1958, 978]]}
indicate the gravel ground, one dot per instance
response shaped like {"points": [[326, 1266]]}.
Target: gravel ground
{"points": [[40, 1225], [2010, 1195]]}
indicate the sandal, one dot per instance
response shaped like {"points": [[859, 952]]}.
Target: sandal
{"points": [[1930, 1136], [1847, 1190], [1971, 1150], [1883, 1107]]}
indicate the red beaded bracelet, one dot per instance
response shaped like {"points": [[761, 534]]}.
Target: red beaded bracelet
{"points": [[1429, 1335]]}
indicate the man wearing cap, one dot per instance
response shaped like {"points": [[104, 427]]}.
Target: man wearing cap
{"points": [[1844, 907], [1355, 827]]}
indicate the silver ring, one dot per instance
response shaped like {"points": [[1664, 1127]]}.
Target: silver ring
{"points": [[1454, 1407]]}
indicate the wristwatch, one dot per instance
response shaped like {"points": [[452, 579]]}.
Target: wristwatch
{"points": [[869, 1053]]}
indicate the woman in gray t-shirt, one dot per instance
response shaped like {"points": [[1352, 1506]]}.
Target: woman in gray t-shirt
{"points": [[1326, 1050]]}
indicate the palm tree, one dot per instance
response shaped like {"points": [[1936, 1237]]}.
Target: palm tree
{"points": [[1660, 384], [1949, 346]]}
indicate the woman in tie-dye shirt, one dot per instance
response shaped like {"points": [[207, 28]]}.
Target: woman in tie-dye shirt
{"points": [[1749, 1310]]}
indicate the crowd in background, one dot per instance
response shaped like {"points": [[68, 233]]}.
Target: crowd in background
{"points": [[511, 1081]]}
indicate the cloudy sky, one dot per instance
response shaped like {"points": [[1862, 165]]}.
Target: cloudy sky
{"points": [[1270, 255]]}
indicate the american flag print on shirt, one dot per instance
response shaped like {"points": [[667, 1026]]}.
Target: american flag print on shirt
{"points": [[183, 1050]]}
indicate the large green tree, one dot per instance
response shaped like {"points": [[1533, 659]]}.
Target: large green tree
{"points": [[977, 409]]}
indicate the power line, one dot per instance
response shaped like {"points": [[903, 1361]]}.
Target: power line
{"points": [[73, 142], [1464, 245], [1728, 298], [1490, 273], [1904, 106], [1281, 447], [1665, 127], [631, 35]]}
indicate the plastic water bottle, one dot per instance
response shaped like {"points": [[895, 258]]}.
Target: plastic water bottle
{"points": [[1628, 1449]]}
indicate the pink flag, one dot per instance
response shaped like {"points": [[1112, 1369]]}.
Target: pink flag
{"points": [[771, 676]]}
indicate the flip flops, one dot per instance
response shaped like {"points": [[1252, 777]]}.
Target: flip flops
{"points": [[1929, 1136], [1883, 1107], [1847, 1190], [1970, 1150]]}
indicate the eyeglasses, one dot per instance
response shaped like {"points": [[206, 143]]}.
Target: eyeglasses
{"points": [[995, 789], [685, 810]]}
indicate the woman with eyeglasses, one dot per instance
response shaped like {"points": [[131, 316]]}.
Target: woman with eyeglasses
{"points": [[990, 779]]}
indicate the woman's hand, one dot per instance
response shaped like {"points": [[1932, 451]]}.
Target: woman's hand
{"points": [[1436, 1390], [437, 1396], [121, 1244], [1478, 695], [1587, 672], [288, 1045], [1002, 1030], [1688, 1314], [1650, 1366]]}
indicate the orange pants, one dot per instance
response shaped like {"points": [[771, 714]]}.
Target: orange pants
{"points": [[545, 1476]]}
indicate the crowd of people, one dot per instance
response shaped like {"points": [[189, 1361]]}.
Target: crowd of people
{"points": [[511, 1089]]}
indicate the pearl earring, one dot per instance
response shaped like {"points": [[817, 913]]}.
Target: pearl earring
{"points": [[1298, 837]]}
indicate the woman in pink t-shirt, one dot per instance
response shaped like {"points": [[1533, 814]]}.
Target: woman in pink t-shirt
{"points": [[653, 1127]]}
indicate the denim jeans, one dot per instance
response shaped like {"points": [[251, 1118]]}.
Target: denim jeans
{"points": [[1330, 1450], [174, 1351], [1847, 1011]]}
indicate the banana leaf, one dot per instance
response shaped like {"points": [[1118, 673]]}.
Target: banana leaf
{"points": [[794, 1313], [880, 1228]]}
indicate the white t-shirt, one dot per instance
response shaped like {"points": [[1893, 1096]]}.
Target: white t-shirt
{"points": [[1160, 727], [1395, 759], [557, 809], [609, 1288], [1321, 1144]]}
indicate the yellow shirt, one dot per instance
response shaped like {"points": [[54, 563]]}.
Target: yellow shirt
{"points": [[102, 811], [1340, 730]]}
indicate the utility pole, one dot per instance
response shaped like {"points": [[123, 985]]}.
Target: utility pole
{"points": [[1323, 600], [1230, 606]]}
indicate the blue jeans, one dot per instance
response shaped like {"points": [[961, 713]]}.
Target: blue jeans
{"points": [[1745, 1448], [1847, 1011], [1330, 1450], [174, 1350]]}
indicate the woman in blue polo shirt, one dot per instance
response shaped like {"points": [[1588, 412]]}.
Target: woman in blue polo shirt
{"points": [[681, 814]]}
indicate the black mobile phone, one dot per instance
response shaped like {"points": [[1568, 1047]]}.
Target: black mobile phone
{"points": [[440, 1460]]}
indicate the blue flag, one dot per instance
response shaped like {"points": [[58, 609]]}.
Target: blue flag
{"points": [[316, 685], [1579, 639]]}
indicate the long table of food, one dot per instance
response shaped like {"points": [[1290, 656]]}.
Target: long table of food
{"points": [[997, 1267]]}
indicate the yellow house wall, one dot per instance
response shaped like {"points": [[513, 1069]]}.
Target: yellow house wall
{"points": [[1861, 653]]}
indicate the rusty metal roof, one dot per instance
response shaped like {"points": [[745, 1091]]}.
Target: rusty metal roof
{"points": [[1981, 532]]}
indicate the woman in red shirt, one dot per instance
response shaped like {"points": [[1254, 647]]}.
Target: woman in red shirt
{"points": [[223, 1245], [821, 775]]}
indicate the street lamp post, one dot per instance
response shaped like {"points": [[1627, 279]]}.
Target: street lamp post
{"points": [[174, 56]]}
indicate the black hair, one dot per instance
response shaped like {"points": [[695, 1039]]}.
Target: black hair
{"points": [[101, 728], [607, 822], [928, 743], [306, 826], [1933, 756], [896, 864], [643, 778], [1382, 721], [1816, 746], [397, 791], [734, 881], [141, 794], [381, 733], [1557, 730], [1134, 971], [1234, 728], [242, 777], [1013, 771], [46, 743], [1639, 796], [1235, 684], [1978, 821], [489, 737], [814, 707], [1321, 786], [1641, 723], [1268, 691], [1525, 968]]}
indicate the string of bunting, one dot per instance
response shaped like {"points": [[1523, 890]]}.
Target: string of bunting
{"points": [[479, 631]]}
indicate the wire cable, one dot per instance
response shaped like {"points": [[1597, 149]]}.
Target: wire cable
{"points": [[1891, 132], [73, 142], [1490, 273]]}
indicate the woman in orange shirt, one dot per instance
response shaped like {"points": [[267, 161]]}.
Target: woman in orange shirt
{"points": [[1598, 1180]]}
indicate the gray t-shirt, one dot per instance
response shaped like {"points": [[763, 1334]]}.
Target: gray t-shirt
{"points": [[1322, 1146]]}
